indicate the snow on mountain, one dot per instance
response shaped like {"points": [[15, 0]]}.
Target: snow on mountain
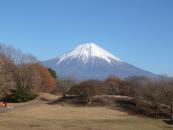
{"points": [[87, 51], [89, 61]]}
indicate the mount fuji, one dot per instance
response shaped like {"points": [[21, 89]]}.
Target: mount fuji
{"points": [[89, 61]]}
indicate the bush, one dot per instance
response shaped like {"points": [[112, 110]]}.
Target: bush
{"points": [[20, 95]]}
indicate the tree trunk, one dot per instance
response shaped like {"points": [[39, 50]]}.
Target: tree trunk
{"points": [[89, 100], [118, 90], [171, 107], [112, 90], [64, 95], [155, 111]]}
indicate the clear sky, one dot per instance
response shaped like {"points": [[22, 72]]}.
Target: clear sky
{"points": [[140, 32]]}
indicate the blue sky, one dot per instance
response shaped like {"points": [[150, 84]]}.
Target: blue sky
{"points": [[138, 31]]}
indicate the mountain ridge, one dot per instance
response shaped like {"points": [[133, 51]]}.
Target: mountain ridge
{"points": [[89, 61]]}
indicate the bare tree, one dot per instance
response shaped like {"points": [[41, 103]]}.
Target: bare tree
{"points": [[6, 77], [27, 77], [168, 95], [87, 89], [152, 92], [115, 84], [16, 55], [135, 87], [64, 85]]}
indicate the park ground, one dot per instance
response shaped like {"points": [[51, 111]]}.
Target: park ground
{"points": [[40, 114]]}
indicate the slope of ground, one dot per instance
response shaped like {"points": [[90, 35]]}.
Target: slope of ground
{"points": [[40, 115]]}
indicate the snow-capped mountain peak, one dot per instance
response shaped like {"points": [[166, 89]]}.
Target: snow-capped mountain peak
{"points": [[88, 51], [89, 61]]}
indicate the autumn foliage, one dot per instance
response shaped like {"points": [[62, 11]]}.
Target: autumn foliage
{"points": [[48, 83], [21, 76]]}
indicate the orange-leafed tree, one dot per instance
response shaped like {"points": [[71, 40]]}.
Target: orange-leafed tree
{"points": [[48, 83]]}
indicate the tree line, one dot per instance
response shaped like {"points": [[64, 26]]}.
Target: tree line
{"points": [[153, 92], [21, 75]]}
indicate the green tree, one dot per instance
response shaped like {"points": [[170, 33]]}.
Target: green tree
{"points": [[53, 73]]}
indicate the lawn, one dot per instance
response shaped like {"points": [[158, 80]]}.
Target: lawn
{"points": [[39, 115]]}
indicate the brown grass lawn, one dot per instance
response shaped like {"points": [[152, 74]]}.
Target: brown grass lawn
{"points": [[38, 115]]}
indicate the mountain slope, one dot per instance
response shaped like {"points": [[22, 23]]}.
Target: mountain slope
{"points": [[89, 61]]}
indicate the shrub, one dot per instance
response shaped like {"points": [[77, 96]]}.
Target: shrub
{"points": [[20, 95]]}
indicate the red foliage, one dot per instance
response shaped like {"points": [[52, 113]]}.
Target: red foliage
{"points": [[48, 83]]}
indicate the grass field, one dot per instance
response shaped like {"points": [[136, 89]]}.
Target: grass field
{"points": [[38, 115]]}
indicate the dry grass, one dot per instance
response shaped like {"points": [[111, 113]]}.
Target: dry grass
{"points": [[38, 115]]}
